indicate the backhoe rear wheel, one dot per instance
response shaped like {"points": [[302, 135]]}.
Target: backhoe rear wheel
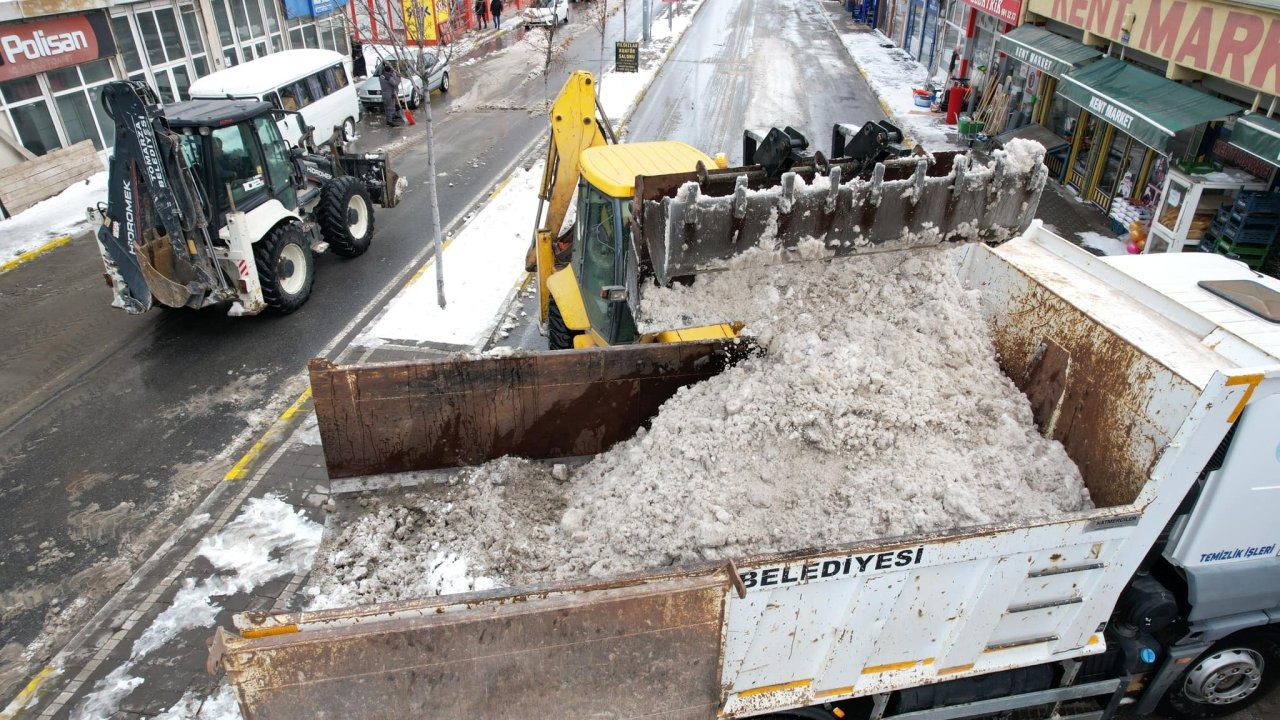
{"points": [[286, 269], [345, 213], [559, 336]]}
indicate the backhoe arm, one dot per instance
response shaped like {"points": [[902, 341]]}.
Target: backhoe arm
{"points": [[577, 123]]}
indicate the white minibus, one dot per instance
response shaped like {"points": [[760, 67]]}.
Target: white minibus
{"points": [[316, 83]]}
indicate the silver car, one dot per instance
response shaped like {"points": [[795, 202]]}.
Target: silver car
{"points": [[411, 91]]}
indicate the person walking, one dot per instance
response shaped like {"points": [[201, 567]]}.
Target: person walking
{"points": [[389, 83], [481, 19], [495, 9]]}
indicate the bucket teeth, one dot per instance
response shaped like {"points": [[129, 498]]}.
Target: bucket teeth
{"points": [[692, 226]]}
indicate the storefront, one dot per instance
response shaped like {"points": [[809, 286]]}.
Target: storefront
{"points": [[1130, 121], [52, 72], [1041, 58], [1258, 136]]}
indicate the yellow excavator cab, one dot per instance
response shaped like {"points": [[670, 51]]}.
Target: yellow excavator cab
{"points": [[612, 169]]}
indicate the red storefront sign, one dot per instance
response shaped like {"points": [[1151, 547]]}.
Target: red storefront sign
{"points": [[1006, 10], [27, 48]]}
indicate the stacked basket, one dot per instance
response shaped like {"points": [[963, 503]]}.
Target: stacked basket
{"points": [[1245, 229]]}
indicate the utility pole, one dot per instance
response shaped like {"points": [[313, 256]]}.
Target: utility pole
{"points": [[647, 7]]}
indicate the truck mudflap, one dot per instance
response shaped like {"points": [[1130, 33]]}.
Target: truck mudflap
{"points": [[427, 414], [698, 222], [646, 650]]}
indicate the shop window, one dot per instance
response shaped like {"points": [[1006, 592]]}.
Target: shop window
{"points": [[181, 81], [256, 26], [151, 38], [35, 128], [220, 19], [97, 71], [273, 23], [191, 23], [21, 89], [64, 79], [276, 44], [77, 118], [163, 87], [202, 66], [260, 49], [105, 123], [169, 33], [241, 20], [126, 43]]}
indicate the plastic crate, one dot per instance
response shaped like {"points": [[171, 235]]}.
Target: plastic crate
{"points": [[1244, 229], [1251, 255], [1257, 203]]}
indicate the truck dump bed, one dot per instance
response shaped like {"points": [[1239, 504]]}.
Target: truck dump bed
{"points": [[1139, 401]]}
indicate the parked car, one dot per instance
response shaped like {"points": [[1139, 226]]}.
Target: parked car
{"points": [[315, 83], [411, 91], [546, 12]]}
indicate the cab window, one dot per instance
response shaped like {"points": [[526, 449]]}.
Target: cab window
{"points": [[238, 164], [598, 263]]}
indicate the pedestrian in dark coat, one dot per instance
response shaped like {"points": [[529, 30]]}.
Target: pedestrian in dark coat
{"points": [[495, 9], [389, 83], [481, 18]]}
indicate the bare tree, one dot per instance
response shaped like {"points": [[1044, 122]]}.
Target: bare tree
{"points": [[544, 41], [407, 50], [597, 16]]}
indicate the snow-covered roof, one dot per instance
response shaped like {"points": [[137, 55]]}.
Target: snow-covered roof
{"points": [[263, 74]]}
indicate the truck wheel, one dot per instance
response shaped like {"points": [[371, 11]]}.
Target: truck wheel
{"points": [[1232, 675], [345, 213], [285, 268], [559, 336]]}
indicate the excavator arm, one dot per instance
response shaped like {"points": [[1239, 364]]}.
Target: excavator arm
{"points": [[577, 123], [154, 239]]}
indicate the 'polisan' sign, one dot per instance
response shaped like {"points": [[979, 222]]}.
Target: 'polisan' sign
{"points": [[27, 48]]}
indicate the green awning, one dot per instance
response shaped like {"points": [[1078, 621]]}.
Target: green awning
{"points": [[1042, 49], [1258, 135], [1142, 104]]}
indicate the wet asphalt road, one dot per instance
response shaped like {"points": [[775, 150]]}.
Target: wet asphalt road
{"points": [[112, 427]]}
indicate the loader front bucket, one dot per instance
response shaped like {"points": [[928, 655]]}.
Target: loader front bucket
{"points": [[693, 223]]}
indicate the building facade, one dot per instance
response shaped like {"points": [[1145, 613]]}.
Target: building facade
{"points": [[53, 67]]}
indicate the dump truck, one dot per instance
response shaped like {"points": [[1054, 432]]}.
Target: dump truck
{"points": [[654, 213], [208, 205], [1158, 374]]}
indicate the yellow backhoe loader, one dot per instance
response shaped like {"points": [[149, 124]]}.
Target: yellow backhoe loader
{"points": [[656, 212]]}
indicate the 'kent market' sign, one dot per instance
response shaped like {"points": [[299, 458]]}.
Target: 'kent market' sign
{"points": [[1227, 40], [1006, 10], [27, 48]]}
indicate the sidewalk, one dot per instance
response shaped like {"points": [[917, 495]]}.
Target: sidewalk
{"points": [[891, 73]]}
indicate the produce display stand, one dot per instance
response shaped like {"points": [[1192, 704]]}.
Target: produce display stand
{"points": [[1189, 204]]}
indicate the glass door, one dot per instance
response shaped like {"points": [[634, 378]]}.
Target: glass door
{"points": [[1086, 134]]}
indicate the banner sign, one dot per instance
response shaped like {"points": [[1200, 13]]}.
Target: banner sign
{"points": [[1006, 10], [37, 46], [1228, 40], [626, 56], [420, 20]]}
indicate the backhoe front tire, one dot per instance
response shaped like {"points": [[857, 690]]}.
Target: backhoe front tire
{"points": [[559, 336], [345, 213], [286, 269], [1229, 677]]}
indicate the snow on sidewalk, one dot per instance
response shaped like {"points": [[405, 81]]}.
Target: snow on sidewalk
{"points": [[482, 265], [59, 216], [892, 74]]}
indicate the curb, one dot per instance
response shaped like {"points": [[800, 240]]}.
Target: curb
{"points": [[30, 255]]}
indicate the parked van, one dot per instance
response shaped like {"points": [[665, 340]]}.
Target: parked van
{"points": [[316, 83]]}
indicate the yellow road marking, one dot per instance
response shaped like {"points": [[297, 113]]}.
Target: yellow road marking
{"points": [[1252, 381], [775, 688], [241, 469], [27, 694], [33, 254]]}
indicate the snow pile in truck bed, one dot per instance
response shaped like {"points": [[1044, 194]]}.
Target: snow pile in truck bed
{"points": [[878, 410]]}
